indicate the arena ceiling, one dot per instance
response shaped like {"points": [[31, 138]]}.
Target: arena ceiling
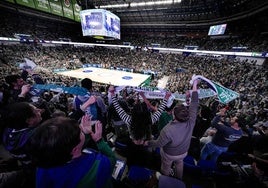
{"points": [[176, 13], [169, 14]]}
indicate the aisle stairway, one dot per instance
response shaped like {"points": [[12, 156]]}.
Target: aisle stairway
{"points": [[163, 82]]}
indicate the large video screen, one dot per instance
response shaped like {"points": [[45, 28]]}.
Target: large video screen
{"points": [[100, 22], [217, 29]]}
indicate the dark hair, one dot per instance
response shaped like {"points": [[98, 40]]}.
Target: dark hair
{"points": [[260, 148], [181, 113], [141, 121], [241, 121], [130, 102], [11, 79], [17, 114], [113, 115], [205, 112], [86, 83], [168, 109], [53, 141]]}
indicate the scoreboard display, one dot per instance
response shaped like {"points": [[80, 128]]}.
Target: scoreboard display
{"points": [[100, 23]]}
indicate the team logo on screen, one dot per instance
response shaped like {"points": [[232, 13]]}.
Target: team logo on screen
{"points": [[67, 3]]}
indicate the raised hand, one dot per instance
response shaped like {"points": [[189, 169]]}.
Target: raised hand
{"points": [[168, 94], [25, 89], [85, 124], [97, 135], [111, 90]]}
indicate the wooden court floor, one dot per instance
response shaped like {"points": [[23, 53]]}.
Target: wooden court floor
{"points": [[107, 76]]}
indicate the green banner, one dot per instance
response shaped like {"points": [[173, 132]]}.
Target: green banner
{"points": [[43, 5], [225, 95], [68, 9], [77, 10], [28, 3], [56, 7]]}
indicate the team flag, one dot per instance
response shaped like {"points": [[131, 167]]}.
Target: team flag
{"points": [[224, 94]]}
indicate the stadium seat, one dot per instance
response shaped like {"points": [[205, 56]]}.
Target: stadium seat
{"points": [[189, 160], [226, 157], [120, 145], [138, 173], [207, 167], [170, 182], [190, 168]]}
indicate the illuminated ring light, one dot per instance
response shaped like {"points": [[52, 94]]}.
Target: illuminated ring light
{"points": [[99, 37], [103, 38]]}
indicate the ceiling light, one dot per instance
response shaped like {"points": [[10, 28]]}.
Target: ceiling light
{"points": [[140, 4]]}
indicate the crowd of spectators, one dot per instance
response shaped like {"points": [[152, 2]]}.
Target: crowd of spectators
{"points": [[251, 83], [246, 76]]}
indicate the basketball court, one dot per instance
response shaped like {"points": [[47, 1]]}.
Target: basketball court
{"points": [[107, 76]]}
